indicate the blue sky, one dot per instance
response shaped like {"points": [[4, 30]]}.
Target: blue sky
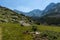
{"points": [[27, 5]]}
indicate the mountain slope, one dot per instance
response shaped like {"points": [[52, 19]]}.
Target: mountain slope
{"points": [[48, 8], [8, 15], [52, 16], [20, 12], [34, 13]]}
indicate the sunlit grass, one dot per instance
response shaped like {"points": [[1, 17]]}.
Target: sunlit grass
{"points": [[15, 31], [49, 28]]}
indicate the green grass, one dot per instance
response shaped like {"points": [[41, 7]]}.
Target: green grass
{"points": [[15, 31], [49, 28]]}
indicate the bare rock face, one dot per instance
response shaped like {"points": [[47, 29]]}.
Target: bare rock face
{"points": [[24, 23]]}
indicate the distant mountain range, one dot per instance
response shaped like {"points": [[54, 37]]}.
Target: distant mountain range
{"points": [[48, 8], [20, 12], [39, 13], [52, 9], [51, 14], [33, 13]]}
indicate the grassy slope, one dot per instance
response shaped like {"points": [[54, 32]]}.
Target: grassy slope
{"points": [[0, 33], [15, 31], [50, 28]]}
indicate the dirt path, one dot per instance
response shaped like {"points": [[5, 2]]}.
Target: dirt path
{"points": [[0, 33]]}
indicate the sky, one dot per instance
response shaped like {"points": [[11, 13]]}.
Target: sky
{"points": [[26, 5]]}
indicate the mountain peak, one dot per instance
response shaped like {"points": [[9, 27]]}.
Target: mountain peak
{"points": [[50, 5], [35, 13], [58, 3]]}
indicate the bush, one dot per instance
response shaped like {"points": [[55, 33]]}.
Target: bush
{"points": [[34, 28], [50, 35]]}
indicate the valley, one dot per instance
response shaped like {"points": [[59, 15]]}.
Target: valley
{"points": [[34, 25]]}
